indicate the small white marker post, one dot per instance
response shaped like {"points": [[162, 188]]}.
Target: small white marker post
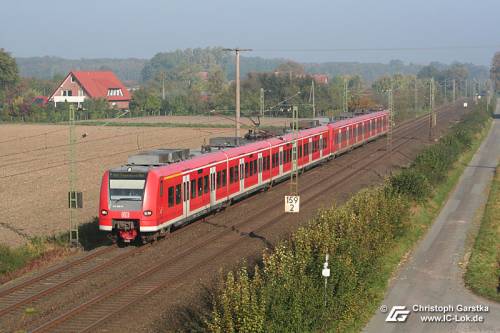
{"points": [[292, 204], [465, 105], [325, 272]]}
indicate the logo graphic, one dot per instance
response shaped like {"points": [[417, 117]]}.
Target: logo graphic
{"points": [[397, 314]]}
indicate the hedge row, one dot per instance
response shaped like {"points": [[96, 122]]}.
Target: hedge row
{"points": [[287, 293]]}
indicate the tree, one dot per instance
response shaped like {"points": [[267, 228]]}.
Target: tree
{"points": [[291, 67], [495, 71], [9, 74], [428, 72]]}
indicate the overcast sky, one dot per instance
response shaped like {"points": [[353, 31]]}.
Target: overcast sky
{"points": [[316, 30]]}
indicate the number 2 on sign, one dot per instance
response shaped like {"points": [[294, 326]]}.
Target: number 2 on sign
{"points": [[292, 204]]}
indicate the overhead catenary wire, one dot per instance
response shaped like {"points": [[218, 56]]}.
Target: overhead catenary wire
{"points": [[156, 129], [103, 156], [382, 49]]}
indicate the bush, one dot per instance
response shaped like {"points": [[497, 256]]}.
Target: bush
{"points": [[288, 293], [411, 183]]}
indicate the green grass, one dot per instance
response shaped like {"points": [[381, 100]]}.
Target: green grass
{"points": [[15, 260], [483, 270], [422, 217], [12, 259]]}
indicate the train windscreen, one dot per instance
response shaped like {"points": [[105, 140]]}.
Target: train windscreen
{"points": [[126, 186]]}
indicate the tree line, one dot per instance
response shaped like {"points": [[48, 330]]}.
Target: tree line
{"points": [[200, 81]]}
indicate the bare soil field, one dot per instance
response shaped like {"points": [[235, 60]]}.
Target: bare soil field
{"points": [[34, 170], [202, 120]]}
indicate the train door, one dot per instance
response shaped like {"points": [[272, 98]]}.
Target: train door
{"points": [[186, 195], [259, 168], [309, 149], [281, 160], [321, 146], [213, 192], [242, 174]]}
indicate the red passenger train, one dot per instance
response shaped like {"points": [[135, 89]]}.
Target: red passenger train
{"points": [[145, 201]]}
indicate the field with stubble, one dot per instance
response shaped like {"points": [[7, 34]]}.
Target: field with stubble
{"points": [[34, 170]]}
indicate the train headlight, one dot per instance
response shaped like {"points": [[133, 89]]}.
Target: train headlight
{"points": [[148, 213], [104, 212]]}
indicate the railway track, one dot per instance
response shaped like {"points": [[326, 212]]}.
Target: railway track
{"points": [[170, 271], [54, 280]]}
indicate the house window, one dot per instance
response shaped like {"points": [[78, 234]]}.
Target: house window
{"points": [[73, 78], [67, 93], [115, 92]]}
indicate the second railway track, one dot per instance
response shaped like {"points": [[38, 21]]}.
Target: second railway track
{"points": [[94, 313]]}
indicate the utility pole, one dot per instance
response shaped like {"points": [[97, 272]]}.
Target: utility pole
{"points": [[445, 91], [294, 175], [262, 102], [416, 94], [292, 201], [163, 85], [345, 107], [237, 119], [311, 98], [72, 198], [432, 115], [454, 91], [391, 120]]}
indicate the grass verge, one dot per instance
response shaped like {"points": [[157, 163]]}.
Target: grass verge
{"points": [[421, 219], [284, 293], [39, 252], [483, 270]]}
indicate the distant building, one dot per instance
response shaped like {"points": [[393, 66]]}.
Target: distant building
{"points": [[202, 75], [320, 78], [78, 86]]}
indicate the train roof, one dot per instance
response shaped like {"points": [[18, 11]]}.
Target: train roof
{"points": [[221, 155], [346, 122]]}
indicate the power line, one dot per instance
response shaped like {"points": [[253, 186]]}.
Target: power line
{"points": [[32, 136], [428, 48], [102, 156], [91, 140]]}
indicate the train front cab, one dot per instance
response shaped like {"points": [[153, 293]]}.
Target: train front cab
{"points": [[127, 201]]}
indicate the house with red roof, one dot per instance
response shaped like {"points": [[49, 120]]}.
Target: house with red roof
{"points": [[80, 85]]}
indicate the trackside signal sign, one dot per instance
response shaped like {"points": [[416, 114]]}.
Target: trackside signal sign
{"points": [[292, 203]]}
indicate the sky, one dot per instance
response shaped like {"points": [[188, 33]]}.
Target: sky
{"points": [[416, 31]]}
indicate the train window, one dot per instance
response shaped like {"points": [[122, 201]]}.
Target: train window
{"points": [[281, 157], [250, 173], [193, 189], [300, 151], [247, 170], [235, 173], [231, 175], [205, 184], [218, 179], [200, 186], [178, 194], [224, 177], [170, 196], [161, 188]]}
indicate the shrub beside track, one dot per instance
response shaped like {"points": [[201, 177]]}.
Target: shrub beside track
{"points": [[365, 238]]}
